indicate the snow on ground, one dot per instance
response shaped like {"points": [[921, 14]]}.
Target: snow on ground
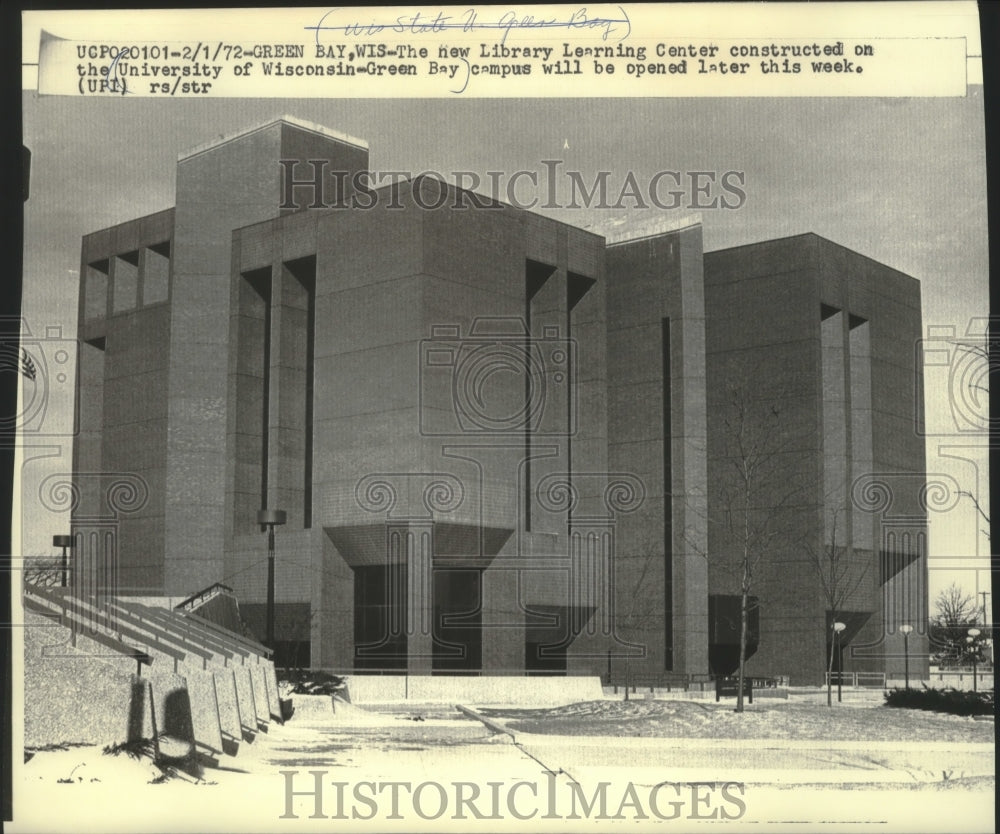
{"points": [[761, 720], [83, 789]]}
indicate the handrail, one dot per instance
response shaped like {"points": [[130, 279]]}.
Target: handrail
{"points": [[171, 620], [214, 587], [160, 634], [97, 636], [77, 608], [254, 645], [856, 679]]}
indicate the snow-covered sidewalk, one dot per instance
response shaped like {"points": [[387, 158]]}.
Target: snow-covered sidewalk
{"points": [[271, 785]]}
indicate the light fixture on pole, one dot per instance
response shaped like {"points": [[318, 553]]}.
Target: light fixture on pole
{"points": [[837, 629], [905, 630], [270, 519], [971, 640], [64, 542]]}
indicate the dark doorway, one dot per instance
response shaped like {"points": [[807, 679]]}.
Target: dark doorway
{"points": [[380, 617], [546, 639], [724, 632], [458, 621]]}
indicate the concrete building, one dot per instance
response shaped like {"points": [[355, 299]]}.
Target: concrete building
{"points": [[496, 436], [816, 346]]}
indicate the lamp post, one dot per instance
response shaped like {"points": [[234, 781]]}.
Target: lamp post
{"points": [[905, 630], [988, 626], [270, 519], [971, 640], [837, 629], [63, 542]]}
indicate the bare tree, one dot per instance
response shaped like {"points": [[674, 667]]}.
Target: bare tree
{"points": [[955, 607], [756, 492], [979, 509], [299, 634], [45, 571], [955, 612], [641, 611], [980, 352], [839, 578]]}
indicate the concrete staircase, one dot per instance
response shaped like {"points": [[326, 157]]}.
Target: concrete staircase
{"points": [[114, 670]]}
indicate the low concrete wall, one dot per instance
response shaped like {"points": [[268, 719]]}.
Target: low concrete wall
{"points": [[204, 709], [81, 688], [172, 714], [261, 707], [945, 680], [228, 700], [245, 699], [447, 689], [271, 686], [72, 695], [663, 694]]}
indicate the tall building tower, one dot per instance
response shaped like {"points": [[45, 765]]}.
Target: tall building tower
{"points": [[154, 318], [811, 384], [656, 410]]}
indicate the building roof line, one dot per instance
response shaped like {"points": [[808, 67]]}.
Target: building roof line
{"points": [[139, 219], [635, 232], [494, 203], [820, 237], [309, 127]]}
